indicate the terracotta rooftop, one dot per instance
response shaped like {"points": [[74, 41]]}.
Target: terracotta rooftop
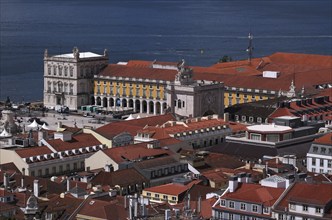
{"points": [[255, 193], [33, 151], [132, 126], [297, 67], [326, 139], [160, 161], [111, 210], [305, 193], [134, 152], [172, 188], [78, 141], [123, 177], [66, 205]]}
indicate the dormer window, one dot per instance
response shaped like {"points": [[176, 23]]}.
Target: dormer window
{"points": [[222, 202], [323, 150], [291, 206]]}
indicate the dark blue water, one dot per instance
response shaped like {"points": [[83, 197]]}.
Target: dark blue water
{"points": [[151, 29]]}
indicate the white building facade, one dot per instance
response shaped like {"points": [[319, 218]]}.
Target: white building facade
{"points": [[68, 77], [319, 157]]}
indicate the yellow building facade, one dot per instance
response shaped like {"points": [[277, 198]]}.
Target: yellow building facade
{"points": [[140, 95]]}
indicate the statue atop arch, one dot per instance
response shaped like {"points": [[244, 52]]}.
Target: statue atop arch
{"points": [[76, 53], [106, 53], [184, 75], [45, 53]]}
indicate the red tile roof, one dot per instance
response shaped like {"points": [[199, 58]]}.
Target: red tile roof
{"points": [[134, 152], [123, 177], [33, 151], [305, 193], [172, 188], [297, 67], [326, 139], [132, 126], [78, 141], [255, 193], [110, 210]]}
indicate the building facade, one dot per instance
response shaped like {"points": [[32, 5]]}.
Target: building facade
{"points": [[319, 157], [160, 89], [68, 77]]}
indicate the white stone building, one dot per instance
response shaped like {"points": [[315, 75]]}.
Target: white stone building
{"points": [[68, 77], [319, 157]]}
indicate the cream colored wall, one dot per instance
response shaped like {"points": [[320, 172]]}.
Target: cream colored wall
{"points": [[161, 197], [99, 137], [99, 160], [8, 156]]}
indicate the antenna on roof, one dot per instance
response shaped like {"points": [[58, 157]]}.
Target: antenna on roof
{"points": [[250, 47]]}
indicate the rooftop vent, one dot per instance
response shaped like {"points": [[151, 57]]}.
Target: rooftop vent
{"points": [[271, 74]]}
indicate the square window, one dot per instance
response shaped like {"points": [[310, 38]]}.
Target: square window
{"points": [[255, 208], [231, 205], [305, 208], [243, 206], [222, 202]]}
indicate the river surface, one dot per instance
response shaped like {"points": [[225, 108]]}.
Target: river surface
{"points": [[201, 32]]}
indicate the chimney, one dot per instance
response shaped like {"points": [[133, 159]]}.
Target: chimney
{"points": [[108, 168], [36, 188], [226, 116], [248, 178], [232, 183], [22, 182], [167, 214], [59, 124], [42, 135], [289, 180], [241, 177], [199, 204], [6, 180], [68, 184]]}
